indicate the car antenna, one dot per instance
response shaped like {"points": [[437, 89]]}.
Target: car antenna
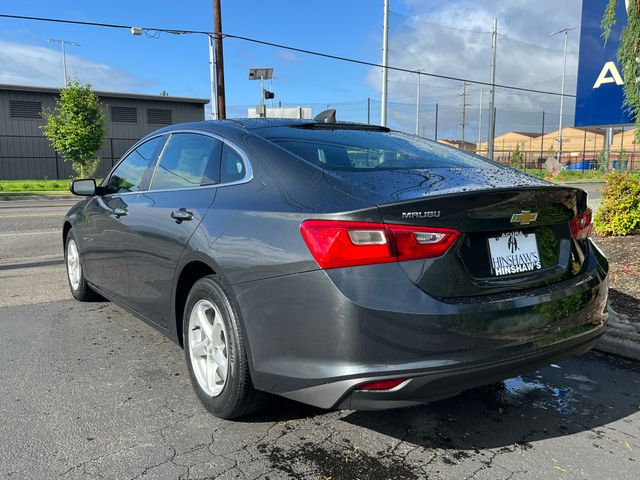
{"points": [[327, 116]]}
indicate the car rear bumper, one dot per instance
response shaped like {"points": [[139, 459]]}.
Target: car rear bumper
{"points": [[314, 337], [447, 382]]}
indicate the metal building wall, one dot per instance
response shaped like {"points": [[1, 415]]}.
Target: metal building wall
{"points": [[26, 154]]}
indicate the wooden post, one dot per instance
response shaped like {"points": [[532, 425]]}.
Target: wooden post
{"points": [[219, 59]]}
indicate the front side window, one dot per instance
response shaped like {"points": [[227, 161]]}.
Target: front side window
{"points": [[188, 160], [135, 170]]}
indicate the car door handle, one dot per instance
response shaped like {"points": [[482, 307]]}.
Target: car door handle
{"points": [[119, 212], [181, 215]]}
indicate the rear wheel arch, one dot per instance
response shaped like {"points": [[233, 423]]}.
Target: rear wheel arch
{"points": [[189, 275], [66, 228]]}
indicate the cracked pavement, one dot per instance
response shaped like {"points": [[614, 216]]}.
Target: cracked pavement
{"points": [[89, 392]]}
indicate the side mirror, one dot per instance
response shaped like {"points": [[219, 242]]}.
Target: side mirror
{"points": [[85, 187]]}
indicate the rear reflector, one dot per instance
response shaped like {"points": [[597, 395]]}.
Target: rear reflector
{"points": [[581, 225], [336, 244], [381, 385]]}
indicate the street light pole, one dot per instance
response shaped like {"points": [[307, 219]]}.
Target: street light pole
{"points": [[492, 108], [418, 104], [480, 121], [464, 111], [212, 78], [64, 55], [385, 60], [564, 73]]}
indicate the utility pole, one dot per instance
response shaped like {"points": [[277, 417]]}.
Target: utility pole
{"points": [[219, 60], [464, 111], [212, 78], [480, 120], [492, 108], [418, 103], [385, 60], [436, 128], [64, 55], [564, 73]]}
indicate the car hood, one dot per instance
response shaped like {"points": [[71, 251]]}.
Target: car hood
{"points": [[385, 186]]}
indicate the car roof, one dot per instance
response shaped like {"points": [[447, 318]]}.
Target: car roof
{"points": [[259, 123], [234, 128]]}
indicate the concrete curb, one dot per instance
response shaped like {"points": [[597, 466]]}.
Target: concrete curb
{"points": [[621, 338]]}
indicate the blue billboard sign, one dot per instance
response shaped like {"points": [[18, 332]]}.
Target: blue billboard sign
{"points": [[600, 97]]}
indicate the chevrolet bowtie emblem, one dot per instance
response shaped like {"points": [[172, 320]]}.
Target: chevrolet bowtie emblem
{"points": [[524, 218]]}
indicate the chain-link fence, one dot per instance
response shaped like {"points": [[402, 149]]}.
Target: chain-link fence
{"points": [[31, 157]]}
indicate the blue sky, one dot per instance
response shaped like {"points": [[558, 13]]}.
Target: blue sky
{"points": [[179, 64], [444, 36]]}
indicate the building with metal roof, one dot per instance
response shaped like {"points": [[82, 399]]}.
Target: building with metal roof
{"points": [[26, 154]]}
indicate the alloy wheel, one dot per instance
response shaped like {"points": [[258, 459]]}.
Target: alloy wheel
{"points": [[208, 349]]}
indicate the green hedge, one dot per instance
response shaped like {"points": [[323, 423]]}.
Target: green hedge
{"points": [[619, 212]]}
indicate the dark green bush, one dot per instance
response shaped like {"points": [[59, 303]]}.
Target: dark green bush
{"points": [[619, 212]]}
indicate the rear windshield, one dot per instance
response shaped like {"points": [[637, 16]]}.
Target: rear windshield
{"points": [[366, 150]]}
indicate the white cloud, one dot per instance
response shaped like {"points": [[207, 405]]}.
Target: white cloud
{"points": [[25, 64], [454, 38]]}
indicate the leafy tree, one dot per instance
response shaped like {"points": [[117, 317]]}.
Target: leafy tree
{"points": [[623, 159], [517, 157], [602, 162], [76, 127], [627, 54]]}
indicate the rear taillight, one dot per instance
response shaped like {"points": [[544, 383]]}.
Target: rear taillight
{"points": [[581, 225], [336, 244]]}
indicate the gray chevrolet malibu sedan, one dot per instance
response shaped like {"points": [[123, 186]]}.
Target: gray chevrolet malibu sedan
{"points": [[336, 264]]}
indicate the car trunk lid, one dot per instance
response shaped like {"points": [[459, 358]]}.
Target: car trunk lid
{"points": [[515, 228]]}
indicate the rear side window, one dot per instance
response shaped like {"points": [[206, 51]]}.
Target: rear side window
{"points": [[188, 160], [232, 167], [366, 150], [133, 173]]}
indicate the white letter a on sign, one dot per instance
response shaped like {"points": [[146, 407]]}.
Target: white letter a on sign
{"points": [[609, 74]]}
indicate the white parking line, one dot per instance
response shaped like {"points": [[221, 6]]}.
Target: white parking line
{"points": [[29, 233], [61, 214]]}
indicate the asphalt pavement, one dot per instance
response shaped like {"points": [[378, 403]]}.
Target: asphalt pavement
{"points": [[87, 391]]}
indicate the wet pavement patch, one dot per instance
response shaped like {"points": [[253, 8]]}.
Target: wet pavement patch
{"points": [[310, 460]]}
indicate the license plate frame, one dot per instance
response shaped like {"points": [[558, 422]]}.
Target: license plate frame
{"points": [[513, 253]]}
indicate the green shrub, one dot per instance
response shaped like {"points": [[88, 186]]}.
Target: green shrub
{"points": [[517, 157], [619, 212]]}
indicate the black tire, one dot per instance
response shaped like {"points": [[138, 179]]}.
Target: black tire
{"points": [[82, 292], [238, 397]]}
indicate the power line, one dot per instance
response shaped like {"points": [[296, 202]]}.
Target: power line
{"points": [[290, 48], [468, 30], [397, 69]]}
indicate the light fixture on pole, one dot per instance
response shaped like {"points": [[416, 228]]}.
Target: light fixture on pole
{"points": [[564, 73], [262, 74], [64, 55], [215, 102]]}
